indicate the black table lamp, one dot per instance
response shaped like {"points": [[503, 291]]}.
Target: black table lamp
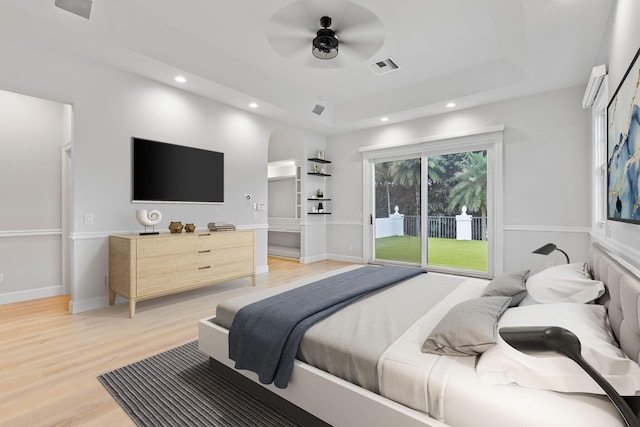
{"points": [[544, 338], [548, 248]]}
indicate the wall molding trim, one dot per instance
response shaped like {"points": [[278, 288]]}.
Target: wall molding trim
{"points": [[30, 294], [627, 253], [546, 228], [31, 233], [346, 258], [84, 235]]}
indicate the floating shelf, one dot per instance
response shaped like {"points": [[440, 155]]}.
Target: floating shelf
{"points": [[319, 213], [317, 160], [318, 174], [319, 199]]}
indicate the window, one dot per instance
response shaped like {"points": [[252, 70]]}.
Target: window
{"points": [[412, 222], [599, 149]]}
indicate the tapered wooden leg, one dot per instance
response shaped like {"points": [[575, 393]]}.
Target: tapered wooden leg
{"points": [[253, 280], [112, 297], [132, 307]]}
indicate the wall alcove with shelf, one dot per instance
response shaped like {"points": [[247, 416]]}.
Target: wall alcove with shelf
{"points": [[318, 203]]}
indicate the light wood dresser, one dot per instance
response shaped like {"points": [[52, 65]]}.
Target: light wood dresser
{"points": [[143, 267]]}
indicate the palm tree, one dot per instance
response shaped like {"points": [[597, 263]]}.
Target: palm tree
{"points": [[407, 173], [383, 178], [471, 189], [436, 170]]}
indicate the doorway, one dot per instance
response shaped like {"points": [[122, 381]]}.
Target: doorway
{"points": [[434, 205]]}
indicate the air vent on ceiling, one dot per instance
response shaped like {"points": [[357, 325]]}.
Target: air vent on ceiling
{"points": [[78, 7], [318, 109], [383, 66]]}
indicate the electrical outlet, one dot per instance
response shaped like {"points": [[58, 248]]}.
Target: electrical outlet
{"points": [[88, 218]]}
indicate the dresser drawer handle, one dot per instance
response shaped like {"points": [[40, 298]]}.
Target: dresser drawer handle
{"points": [[204, 268], [205, 251]]}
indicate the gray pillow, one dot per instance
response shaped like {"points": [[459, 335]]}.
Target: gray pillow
{"points": [[468, 329], [510, 285]]}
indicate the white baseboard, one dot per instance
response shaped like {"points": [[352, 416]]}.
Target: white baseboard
{"points": [[262, 269], [88, 304], [19, 296], [315, 258], [346, 258]]}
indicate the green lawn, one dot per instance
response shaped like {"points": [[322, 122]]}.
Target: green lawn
{"points": [[467, 254]]}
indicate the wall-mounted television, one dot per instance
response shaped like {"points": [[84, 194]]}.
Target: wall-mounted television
{"points": [[172, 173]]}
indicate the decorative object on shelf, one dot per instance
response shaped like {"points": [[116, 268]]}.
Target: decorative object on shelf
{"points": [[316, 169], [548, 248], [320, 208], [175, 227], [148, 219], [221, 226], [189, 228], [321, 154], [319, 193]]}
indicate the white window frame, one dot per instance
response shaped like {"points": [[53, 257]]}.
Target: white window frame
{"points": [[599, 156], [490, 139]]}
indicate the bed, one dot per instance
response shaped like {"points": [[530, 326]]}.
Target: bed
{"points": [[389, 380]]}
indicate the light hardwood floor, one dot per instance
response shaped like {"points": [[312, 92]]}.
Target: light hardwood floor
{"points": [[49, 359]]}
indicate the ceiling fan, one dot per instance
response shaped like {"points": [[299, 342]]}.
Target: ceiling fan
{"points": [[348, 33]]}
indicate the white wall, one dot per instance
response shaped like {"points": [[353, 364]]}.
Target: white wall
{"points": [[282, 198], [624, 41], [546, 173], [109, 108], [31, 139]]}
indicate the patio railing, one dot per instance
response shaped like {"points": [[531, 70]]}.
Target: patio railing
{"points": [[442, 227]]}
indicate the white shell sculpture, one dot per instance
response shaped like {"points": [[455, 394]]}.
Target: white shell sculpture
{"points": [[148, 218]]}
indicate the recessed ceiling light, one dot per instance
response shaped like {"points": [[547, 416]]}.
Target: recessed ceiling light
{"points": [[451, 105], [180, 79], [384, 119], [253, 105]]}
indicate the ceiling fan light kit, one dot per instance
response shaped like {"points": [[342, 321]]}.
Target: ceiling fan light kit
{"points": [[325, 44]]}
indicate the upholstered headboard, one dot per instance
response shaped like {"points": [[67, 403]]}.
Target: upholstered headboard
{"points": [[623, 297]]}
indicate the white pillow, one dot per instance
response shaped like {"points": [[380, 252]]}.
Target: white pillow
{"points": [[563, 283], [503, 364]]}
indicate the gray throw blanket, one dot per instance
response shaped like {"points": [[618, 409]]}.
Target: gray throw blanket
{"points": [[264, 336]]}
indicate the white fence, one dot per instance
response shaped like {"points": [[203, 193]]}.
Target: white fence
{"points": [[446, 227]]}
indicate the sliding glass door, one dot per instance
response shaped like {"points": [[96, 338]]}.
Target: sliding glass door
{"points": [[398, 210], [457, 211], [435, 208]]}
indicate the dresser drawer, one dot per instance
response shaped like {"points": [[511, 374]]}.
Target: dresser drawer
{"points": [[233, 262], [225, 239], [156, 275], [174, 244]]}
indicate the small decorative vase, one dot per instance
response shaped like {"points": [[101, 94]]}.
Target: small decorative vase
{"points": [[189, 228], [175, 227]]}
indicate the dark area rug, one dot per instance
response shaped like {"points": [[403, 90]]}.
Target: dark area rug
{"points": [[177, 388]]}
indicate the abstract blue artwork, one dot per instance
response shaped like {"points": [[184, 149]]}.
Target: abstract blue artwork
{"points": [[623, 148]]}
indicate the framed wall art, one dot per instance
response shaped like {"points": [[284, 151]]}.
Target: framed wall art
{"points": [[623, 148]]}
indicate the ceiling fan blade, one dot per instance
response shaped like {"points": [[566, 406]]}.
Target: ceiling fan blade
{"points": [[288, 46], [359, 50]]}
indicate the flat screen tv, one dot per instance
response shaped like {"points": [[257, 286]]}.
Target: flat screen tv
{"points": [[172, 173]]}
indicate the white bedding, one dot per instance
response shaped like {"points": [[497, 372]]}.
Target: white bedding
{"points": [[448, 389]]}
